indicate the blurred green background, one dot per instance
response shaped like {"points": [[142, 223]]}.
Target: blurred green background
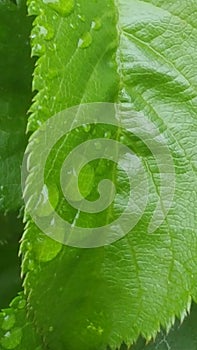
{"points": [[10, 281]]}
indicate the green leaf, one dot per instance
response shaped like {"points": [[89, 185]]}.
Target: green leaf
{"points": [[56, 60], [16, 331], [181, 337], [143, 56], [15, 90]]}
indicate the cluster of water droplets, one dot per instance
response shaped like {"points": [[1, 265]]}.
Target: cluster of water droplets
{"points": [[12, 334], [46, 31], [86, 39], [64, 9]]}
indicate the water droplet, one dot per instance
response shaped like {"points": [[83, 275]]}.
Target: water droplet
{"points": [[107, 134], [47, 32], [38, 50], [82, 18], [96, 24], [86, 127], [8, 322], [122, 139], [62, 7], [85, 41], [48, 200], [33, 36], [33, 8], [21, 304], [12, 338], [43, 30]]}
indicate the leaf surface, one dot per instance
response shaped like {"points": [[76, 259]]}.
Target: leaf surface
{"points": [[143, 56], [16, 331]]}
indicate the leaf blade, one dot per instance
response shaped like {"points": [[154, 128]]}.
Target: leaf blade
{"points": [[143, 272]]}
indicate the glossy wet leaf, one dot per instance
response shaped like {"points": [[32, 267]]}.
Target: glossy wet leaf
{"points": [[16, 331], [144, 56]]}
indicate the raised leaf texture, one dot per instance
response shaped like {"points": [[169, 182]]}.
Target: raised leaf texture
{"points": [[181, 337], [143, 55]]}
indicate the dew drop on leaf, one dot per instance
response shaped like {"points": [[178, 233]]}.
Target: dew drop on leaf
{"points": [[38, 50], [107, 134], [122, 139], [85, 41], [33, 36], [33, 8], [21, 304], [62, 7], [47, 32], [82, 18], [8, 322], [48, 200], [12, 338], [96, 24], [86, 127]]}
